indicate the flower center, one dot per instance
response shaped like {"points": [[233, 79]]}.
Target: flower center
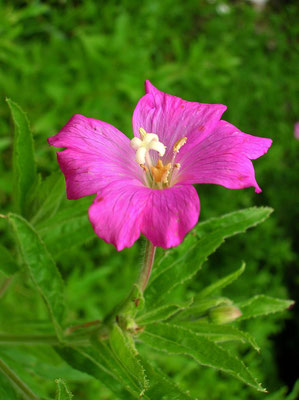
{"points": [[158, 176]]}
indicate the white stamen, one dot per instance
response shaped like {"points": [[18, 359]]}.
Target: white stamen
{"points": [[146, 142]]}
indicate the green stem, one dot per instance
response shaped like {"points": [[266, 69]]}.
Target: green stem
{"points": [[149, 257], [50, 340], [10, 374]]}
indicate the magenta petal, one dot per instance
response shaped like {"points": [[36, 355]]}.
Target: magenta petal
{"points": [[170, 214], [172, 118], [117, 213], [96, 154], [223, 158], [122, 210]]}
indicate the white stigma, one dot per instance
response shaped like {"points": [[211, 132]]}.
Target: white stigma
{"points": [[148, 141]]}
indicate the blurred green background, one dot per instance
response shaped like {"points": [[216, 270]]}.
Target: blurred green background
{"points": [[58, 58]]}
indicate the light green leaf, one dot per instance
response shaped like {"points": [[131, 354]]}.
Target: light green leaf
{"points": [[41, 267], [161, 313], [71, 224], [174, 339], [48, 196], [124, 350], [16, 381], [221, 283], [25, 175], [262, 305], [100, 363], [197, 246], [220, 333], [8, 263], [161, 387], [62, 391]]}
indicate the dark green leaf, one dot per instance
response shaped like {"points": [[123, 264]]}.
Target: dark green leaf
{"points": [[41, 267], [174, 339], [25, 175], [262, 305]]}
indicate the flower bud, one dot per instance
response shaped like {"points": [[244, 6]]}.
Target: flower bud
{"points": [[224, 314]]}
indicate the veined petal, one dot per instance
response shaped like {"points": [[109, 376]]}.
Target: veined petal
{"points": [[172, 118], [96, 154], [170, 214], [122, 210], [223, 158]]}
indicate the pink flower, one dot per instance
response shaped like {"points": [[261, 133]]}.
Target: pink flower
{"points": [[144, 185], [296, 130]]}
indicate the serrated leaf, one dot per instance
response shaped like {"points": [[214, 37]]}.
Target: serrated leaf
{"points": [[41, 267], [220, 333], [25, 175], [221, 283], [262, 305], [8, 263], [99, 363], [63, 392], [197, 246], [174, 339], [124, 350], [161, 387]]}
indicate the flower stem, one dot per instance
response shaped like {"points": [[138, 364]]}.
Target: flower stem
{"points": [[149, 257]]}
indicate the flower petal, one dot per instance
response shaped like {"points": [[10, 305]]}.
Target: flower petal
{"points": [[122, 210], [172, 118], [96, 154], [170, 214], [223, 158], [117, 213]]}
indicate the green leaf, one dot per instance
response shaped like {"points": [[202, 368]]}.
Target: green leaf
{"points": [[124, 350], [262, 305], [220, 333], [221, 283], [25, 175], [7, 392], [62, 391], [161, 387], [195, 249], [48, 197], [8, 263], [162, 313], [174, 339], [100, 363], [71, 224], [16, 380], [41, 268]]}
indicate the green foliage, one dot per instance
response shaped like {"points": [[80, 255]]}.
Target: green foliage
{"points": [[41, 268], [23, 159], [62, 391], [61, 58]]}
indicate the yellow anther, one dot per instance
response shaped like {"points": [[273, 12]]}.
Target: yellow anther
{"points": [[160, 172], [144, 167], [177, 165], [142, 133], [178, 144]]}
